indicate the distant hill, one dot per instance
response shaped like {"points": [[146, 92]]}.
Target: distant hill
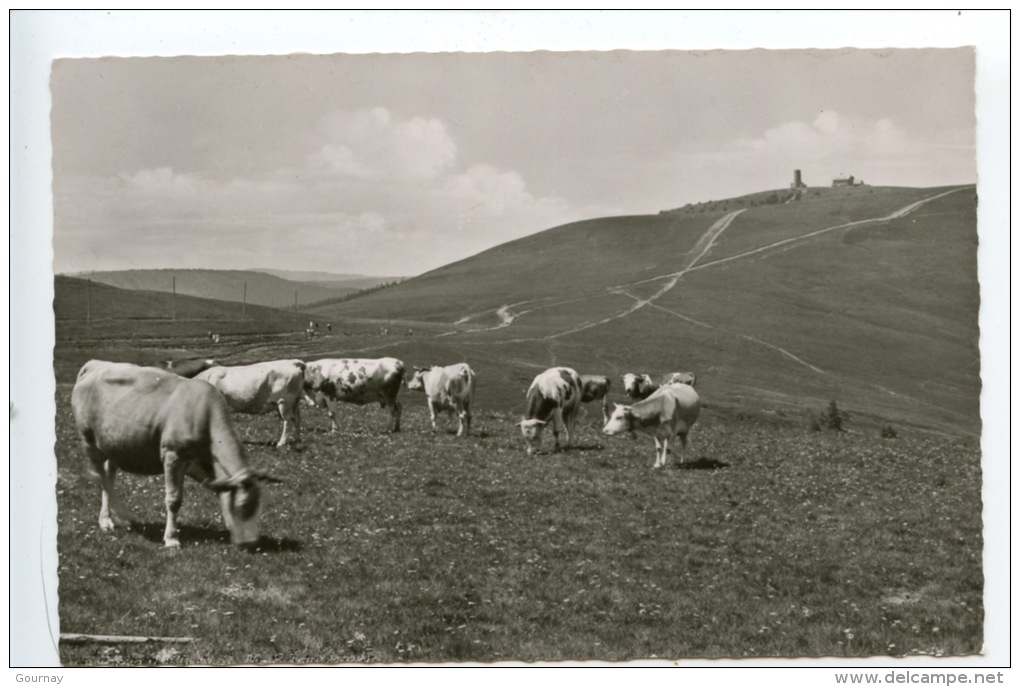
{"points": [[328, 279], [866, 295], [75, 300], [230, 285]]}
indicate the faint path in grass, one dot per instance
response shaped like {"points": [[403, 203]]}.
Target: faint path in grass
{"points": [[692, 256], [902, 212], [746, 337]]}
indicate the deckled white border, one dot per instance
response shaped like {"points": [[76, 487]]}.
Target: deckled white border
{"points": [[37, 37]]}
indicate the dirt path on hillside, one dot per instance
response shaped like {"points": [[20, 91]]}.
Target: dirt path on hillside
{"points": [[691, 263], [691, 257]]}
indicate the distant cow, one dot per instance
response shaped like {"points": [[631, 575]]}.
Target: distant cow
{"points": [[188, 368], [667, 414], [596, 388], [641, 386], [449, 388], [263, 388], [148, 422], [358, 381], [554, 396]]}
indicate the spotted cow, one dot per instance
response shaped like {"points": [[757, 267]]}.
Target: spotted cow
{"points": [[357, 381], [641, 386], [553, 397]]}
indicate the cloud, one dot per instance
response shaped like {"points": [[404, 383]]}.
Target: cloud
{"points": [[372, 144], [824, 145], [376, 194], [829, 135], [162, 181]]}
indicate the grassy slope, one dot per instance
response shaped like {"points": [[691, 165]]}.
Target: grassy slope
{"points": [[426, 547], [883, 315], [137, 326], [227, 285]]}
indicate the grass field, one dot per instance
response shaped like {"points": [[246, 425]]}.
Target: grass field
{"points": [[422, 547], [776, 540]]}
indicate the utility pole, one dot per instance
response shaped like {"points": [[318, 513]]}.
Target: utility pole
{"points": [[244, 303], [88, 304], [174, 286], [295, 299]]}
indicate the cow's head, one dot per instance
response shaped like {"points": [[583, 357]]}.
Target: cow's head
{"points": [[417, 381], [620, 422], [635, 385], [240, 498], [532, 431]]}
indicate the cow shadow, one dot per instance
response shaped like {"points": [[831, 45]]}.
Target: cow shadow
{"points": [[193, 534], [290, 446], [703, 463]]}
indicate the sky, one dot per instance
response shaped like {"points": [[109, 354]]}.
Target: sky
{"points": [[395, 164]]}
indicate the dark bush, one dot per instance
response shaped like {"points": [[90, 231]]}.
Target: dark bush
{"points": [[888, 432], [832, 418]]}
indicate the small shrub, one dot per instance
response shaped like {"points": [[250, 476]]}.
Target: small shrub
{"points": [[832, 418], [888, 432]]}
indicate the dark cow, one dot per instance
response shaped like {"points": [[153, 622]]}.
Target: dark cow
{"points": [[554, 396], [146, 421], [596, 388], [188, 368], [641, 386], [357, 381], [668, 413]]}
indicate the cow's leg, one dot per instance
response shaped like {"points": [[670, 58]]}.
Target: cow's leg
{"points": [[605, 410], [296, 415], [290, 413], [557, 423], [464, 418], [395, 408], [682, 456], [281, 406], [331, 411], [111, 511], [173, 472], [661, 449], [432, 413]]}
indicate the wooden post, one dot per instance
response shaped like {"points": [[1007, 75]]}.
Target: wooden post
{"points": [[174, 286], [244, 303], [88, 304], [295, 299]]}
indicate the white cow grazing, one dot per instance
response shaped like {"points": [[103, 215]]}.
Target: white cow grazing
{"points": [[263, 388], [641, 386], [667, 414], [449, 388], [596, 388], [554, 396], [357, 381], [148, 421]]}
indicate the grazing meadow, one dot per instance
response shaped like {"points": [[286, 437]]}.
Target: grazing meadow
{"points": [[778, 538]]}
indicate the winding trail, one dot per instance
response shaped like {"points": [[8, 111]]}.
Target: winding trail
{"points": [[694, 255]]}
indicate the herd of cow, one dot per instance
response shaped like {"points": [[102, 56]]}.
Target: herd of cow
{"points": [[174, 420]]}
